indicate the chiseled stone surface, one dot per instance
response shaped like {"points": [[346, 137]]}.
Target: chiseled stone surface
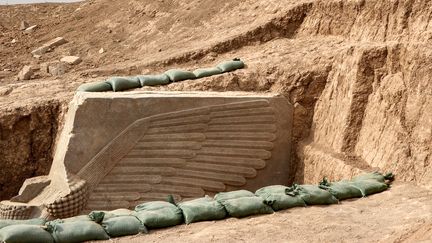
{"points": [[122, 149]]}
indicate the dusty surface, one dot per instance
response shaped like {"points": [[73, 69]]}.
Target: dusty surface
{"points": [[397, 215], [357, 72]]}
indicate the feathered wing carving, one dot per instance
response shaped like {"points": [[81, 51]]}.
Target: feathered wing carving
{"points": [[185, 153]]}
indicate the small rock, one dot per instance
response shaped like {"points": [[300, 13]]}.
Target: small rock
{"points": [[25, 73], [24, 25], [41, 50], [30, 29], [7, 70], [94, 75], [49, 45], [58, 41], [57, 69], [44, 67], [13, 41], [300, 110], [101, 51], [5, 91], [73, 60]]}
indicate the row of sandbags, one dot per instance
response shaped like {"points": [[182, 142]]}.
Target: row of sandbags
{"points": [[173, 75], [102, 225]]}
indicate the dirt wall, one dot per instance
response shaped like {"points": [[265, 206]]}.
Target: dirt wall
{"points": [[27, 141]]}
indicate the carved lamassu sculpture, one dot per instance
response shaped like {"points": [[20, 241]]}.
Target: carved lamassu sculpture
{"points": [[118, 150]]}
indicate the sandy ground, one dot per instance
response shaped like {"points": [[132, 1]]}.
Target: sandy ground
{"points": [[401, 214]]}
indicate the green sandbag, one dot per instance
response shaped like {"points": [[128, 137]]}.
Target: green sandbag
{"points": [[120, 212], [281, 201], [159, 214], [124, 83], [22, 233], [176, 75], [313, 195], [277, 198], [95, 87], [371, 186], [246, 206], [155, 205], [97, 216], [229, 66], [206, 72], [341, 189], [77, 218], [202, 209], [271, 189], [8, 222], [374, 176], [151, 80], [123, 225], [223, 196], [77, 231]]}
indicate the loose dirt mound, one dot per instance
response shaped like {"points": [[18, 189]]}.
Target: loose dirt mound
{"points": [[357, 72]]}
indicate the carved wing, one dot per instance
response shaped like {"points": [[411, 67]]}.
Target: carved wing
{"points": [[185, 153]]}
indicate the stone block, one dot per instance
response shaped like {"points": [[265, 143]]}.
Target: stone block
{"points": [[24, 25], [57, 69], [30, 29], [73, 60], [49, 46], [122, 149], [25, 73]]}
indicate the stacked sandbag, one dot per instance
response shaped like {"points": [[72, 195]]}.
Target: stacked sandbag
{"points": [[342, 189], [77, 218], [278, 199], [173, 75], [176, 75], [207, 72], [202, 209], [360, 186], [124, 83], [23, 233], [230, 66], [371, 183], [76, 231], [9, 222], [158, 214], [312, 194], [152, 80], [101, 225], [122, 222], [242, 203], [101, 86]]}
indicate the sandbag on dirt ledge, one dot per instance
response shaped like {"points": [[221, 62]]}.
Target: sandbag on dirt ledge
{"points": [[276, 196], [202, 209]]}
